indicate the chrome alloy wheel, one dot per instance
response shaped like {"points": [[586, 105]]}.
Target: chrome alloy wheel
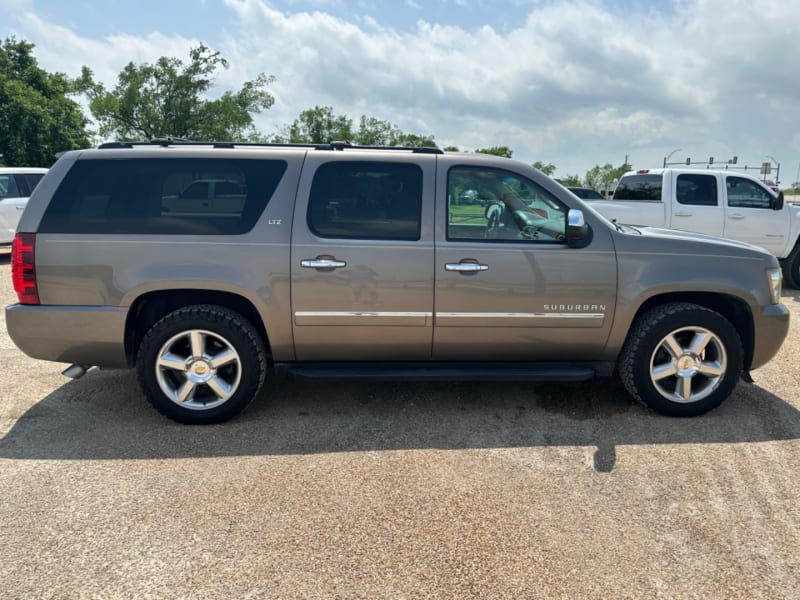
{"points": [[688, 364], [198, 369]]}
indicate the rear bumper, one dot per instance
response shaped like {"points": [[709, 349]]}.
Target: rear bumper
{"points": [[771, 325], [86, 335]]}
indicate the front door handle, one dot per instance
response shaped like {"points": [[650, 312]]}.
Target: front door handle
{"points": [[322, 263], [464, 267]]}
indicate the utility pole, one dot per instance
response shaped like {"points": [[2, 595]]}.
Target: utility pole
{"points": [[777, 170], [666, 158]]}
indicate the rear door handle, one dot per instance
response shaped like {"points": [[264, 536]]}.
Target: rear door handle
{"points": [[736, 216], [683, 214], [463, 267], [322, 263]]}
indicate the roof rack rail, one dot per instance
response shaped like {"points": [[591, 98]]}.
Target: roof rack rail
{"points": [[335, 145]]}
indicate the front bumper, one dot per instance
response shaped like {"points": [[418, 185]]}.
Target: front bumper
{"points": [[86, 335], [771, 326]]}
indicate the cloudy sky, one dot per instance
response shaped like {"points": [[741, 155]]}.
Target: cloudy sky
{"points": [[572, 82]]}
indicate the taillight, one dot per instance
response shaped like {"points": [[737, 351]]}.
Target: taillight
{"points": [[23, 268]]}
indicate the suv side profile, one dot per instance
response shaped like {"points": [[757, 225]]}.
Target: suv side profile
{"points": [[336, 261]]}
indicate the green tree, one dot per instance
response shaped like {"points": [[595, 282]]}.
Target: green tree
{"points": [[503, 151], [571, 181], [602, 178], [320, 125], [451, 149], [37, 118], [414, 140], [168, 98], [548, 169], [375, 132]]}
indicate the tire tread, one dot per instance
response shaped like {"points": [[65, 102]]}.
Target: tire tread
{"points": [[636, 339], [210, 314]]}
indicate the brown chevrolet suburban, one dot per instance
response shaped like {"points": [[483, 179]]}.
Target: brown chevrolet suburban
{"points": [[333, 260]]}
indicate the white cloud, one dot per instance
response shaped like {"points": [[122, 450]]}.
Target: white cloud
{"points": [[574, 84]]}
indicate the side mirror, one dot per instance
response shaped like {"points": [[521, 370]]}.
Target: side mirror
{"points": [[777, 203], [579, 234]]}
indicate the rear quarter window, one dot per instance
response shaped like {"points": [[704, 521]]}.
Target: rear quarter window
{"points": [[639, 187], [163, 196]]}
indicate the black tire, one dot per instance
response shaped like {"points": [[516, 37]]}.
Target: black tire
{"points": [[223, 358], [702, 380], [791, 269]]}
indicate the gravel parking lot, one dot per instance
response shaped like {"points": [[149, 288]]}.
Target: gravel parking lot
{"points": [[354, 490]]}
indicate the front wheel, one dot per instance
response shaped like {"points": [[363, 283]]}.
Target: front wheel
{"points": [[791, 269], [201, 364], [681, 359]]}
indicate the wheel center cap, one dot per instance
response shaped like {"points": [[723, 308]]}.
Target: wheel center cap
{"points": [[200, 371], [687, 363]]}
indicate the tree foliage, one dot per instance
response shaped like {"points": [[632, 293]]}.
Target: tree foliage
{"points": [[503, 151], [168, 99], [37, 118], [548, 169], [320, 125], [571, 181], [602, 178]]}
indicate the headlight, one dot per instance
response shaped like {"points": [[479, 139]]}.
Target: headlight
{"points": [[775, 279]]}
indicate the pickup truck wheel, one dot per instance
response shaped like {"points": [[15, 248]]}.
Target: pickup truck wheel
{"points": [[681, 359], [201, 364], [791, 270]]}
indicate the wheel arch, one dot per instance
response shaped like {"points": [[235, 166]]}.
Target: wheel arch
{"points": [[148, 308], [732, 308], [790, 266]]}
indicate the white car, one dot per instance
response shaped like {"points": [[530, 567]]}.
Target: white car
{"points": [[16, 184]]}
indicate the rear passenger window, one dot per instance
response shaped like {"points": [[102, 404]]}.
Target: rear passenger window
{"points": [[697, 190], [366, 200], [163, 196]]}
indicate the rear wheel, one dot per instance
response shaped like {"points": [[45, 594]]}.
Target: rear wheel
{"points": [[681, 359], [201, 364]]}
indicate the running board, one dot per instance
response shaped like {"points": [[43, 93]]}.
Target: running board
{"points": [[442, 371]]}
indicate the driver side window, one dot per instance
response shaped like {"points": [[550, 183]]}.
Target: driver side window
{"points": [[743, 193], [499, 206]]}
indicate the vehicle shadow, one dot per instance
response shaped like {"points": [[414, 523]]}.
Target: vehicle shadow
{"points": [[84, 419], [789, 294]]}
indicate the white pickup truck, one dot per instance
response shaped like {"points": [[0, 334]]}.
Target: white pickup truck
{"points": [[722, 203]]}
